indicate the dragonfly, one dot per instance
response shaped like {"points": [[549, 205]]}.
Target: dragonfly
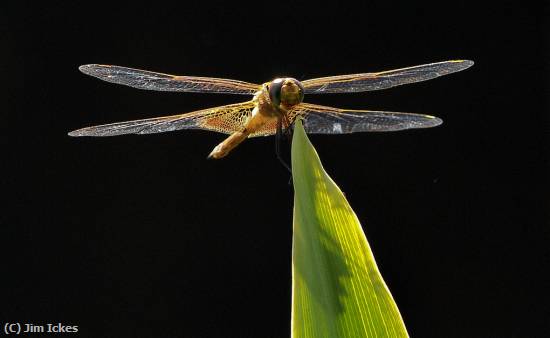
{"points": [[274, 106]]}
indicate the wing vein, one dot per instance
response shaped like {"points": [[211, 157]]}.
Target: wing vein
{"points": [[143, 79], [375, 81]]}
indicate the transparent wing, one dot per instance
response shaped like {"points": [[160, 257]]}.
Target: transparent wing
{"points": [[328, 120], [382, 80], [143, 79], [223, 119]]}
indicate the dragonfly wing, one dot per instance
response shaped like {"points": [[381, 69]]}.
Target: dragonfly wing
{"points": [[224, 119], [143, 79], [269, 128], [375, 81], [328, 120]]}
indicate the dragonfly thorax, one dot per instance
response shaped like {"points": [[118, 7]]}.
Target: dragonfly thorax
{"points": [[285, 91]]}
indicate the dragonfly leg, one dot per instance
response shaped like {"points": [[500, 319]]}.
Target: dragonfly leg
{"points": [[278, 141], [287, 129]]}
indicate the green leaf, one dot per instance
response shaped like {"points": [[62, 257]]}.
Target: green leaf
{"points": [[337, 290]]}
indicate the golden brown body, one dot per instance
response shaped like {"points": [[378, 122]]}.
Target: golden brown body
{"points": [[272, 104]]}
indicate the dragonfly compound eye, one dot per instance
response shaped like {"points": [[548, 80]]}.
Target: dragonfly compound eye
{"points": [[292, 92], [275, 91]]}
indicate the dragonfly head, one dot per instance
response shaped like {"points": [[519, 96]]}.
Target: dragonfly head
{"points": [[286, 91]]}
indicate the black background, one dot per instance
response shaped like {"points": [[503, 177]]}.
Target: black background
{"points": [[141, 236]]}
